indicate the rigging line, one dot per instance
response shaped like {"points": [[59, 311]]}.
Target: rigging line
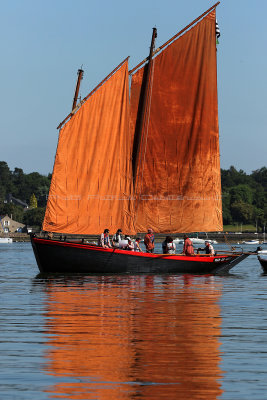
{"points": [[145, 137]]}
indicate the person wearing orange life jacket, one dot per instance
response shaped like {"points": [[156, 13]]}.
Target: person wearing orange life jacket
{"points": [[149, 240], [188, 248]]}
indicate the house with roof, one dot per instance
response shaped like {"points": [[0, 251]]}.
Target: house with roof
{"points": [[17, 202], [8, 225]]}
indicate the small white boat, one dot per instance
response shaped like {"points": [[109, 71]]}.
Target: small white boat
{"points": [[212, 241], [178, 241], [6, 240], [253, 242], [195, 241], [262, 251]]}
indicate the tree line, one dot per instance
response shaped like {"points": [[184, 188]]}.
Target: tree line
{"points": [[30, 188], [244, 196]]}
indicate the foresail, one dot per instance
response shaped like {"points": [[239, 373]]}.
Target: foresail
{"points": [[178, 184], [92, 177]]}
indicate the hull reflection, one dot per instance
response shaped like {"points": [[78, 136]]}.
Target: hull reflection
{"points": [[126, 337]]}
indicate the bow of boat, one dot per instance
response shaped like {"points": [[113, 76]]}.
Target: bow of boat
{"points": [[263, 263]]}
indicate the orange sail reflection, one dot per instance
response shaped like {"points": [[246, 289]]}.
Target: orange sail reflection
{"points": [[122, 337]]}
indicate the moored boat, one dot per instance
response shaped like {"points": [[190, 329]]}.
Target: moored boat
{"points": [[139, 157], [260, 250], [251, 242], [6, 240], [196, 241]]}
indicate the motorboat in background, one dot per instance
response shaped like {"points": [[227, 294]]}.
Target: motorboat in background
{"points": [[6, 240], [195, 241], [251, 242]]}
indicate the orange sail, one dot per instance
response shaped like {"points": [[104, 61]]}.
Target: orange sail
{"points": [[92, 177], [170, 181], [178, 185]]}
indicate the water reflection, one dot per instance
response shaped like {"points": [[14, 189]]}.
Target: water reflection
{"points": [[144, 337]]}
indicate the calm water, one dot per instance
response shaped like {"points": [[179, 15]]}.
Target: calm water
{"points": [[131, 337]]}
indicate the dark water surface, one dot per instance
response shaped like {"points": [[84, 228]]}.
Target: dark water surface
{"points": [[131, 337]]}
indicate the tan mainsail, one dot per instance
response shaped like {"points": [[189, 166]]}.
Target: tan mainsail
{"points": [[92, 178], [178, 181]]}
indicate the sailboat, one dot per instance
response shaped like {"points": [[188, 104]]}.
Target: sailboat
{"points": [[141, 151]]}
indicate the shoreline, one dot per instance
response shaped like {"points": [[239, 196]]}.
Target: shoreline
{"points": [[219, 237]]}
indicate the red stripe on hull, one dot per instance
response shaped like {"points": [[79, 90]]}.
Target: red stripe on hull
{"points": [[195, 258]]}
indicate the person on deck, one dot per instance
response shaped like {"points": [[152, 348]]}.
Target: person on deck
{"points": [[137, 245], [117, 238], [130, 245], [208, 248], [168, 247], [149, 240], [104, 241], [188, 248]]}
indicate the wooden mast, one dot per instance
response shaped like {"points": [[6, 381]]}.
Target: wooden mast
{"points": [[80, 77], [90, 94], [141, 120]]}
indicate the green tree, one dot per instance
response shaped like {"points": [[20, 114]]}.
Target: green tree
{"points": [[5, 179], [34, 216], [227, 216], [13, 211], [259, 196], [242, 212], [38, 184], [241, 193], [260, 176], [232, 177], [18, 178], [33, 201]]}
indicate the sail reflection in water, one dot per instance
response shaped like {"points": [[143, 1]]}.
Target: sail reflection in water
{"points": [[122, 337]]}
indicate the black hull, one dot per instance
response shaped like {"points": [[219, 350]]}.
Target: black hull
{"points": [[54, 256], [263, 262]]}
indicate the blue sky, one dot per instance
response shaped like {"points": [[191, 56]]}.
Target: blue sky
{"points": [[43, 43]]}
